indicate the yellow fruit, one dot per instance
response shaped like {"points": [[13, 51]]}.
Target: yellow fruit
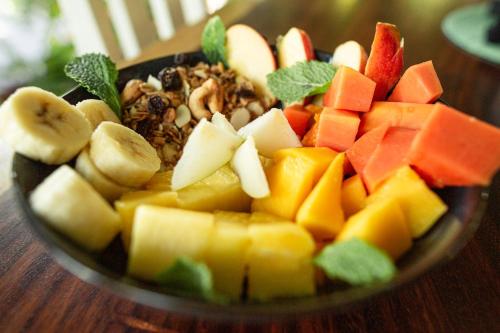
{"points": [[381, 224], [160, 235], [129, 202], [260, 217], [421, 206], [279, 261], [232, 217], [321, 213], [161, 181], [321, 157], [219, 191], [353, 195], [226, 255]]}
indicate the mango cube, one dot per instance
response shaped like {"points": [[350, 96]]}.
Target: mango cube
{"points": [[160, 235], [226, 257], [291, 178], [421, 206], [321, 213], [279, 261], [381, 224], [353, 195], [128, 203], [219, 191]]}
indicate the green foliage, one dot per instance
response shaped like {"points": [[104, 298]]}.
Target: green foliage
{"points": [[213, 41], [356, 262]]}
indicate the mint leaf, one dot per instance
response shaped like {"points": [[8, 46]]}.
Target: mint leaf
{"points": [[190, 278], [356, 262], [213, 41], [303, 79], [98, 74]]}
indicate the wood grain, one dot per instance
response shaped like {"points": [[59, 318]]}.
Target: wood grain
{"points": [[462, 296]]}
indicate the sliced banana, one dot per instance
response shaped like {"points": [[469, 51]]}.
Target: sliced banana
{"points": [[96, 111], [71, 206], [123, 155], [105, 186], [38, 124]]}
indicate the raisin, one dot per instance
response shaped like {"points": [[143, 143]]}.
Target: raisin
{"points": [[170, 79], [245, 93], [155, 105]]}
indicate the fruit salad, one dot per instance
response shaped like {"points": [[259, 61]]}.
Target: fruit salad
{"points": [[326, 180]]}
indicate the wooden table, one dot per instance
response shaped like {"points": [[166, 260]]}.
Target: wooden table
{"points": [[37, 295]]}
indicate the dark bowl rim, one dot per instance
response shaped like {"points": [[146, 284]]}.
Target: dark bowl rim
{"points": [[289, 308]]}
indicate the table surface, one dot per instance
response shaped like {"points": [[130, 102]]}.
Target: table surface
{"points": [[37, 295]]}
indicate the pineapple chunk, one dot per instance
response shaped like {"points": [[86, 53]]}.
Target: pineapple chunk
{"points": [[233, 217], [160, 235], [226, 255], [129, 202], [279, 261], [382, 224], [220, 191], [260, 217], [421, 206], [161, 181]]}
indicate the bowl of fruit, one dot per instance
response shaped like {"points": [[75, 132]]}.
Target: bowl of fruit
{"points": [[248, 181]]}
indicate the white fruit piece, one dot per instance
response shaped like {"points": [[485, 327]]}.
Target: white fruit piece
{"points": [[207, 149], [96, 111], [271, 132], [160, 235], [72, 206], [123, 155], [246, 163], [295, 46], [220, 121], [105, 186], [154, 82], [38, 124], [350, 54], [249, 55]]}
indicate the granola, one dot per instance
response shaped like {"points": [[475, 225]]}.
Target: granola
{"points": [[166, 109]]}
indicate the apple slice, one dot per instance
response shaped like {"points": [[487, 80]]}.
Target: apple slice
{"points": [[249, 55], [294, 47], [271, 132], [350, 54], [246, 163], [220, 121], [207, 149]]}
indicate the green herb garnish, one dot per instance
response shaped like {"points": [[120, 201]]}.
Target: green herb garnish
{"points": [[356, 262], [188, 277], [213, 41], [303, 79], [98, 74]]}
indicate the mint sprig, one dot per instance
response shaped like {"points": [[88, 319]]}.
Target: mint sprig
{"points": [[303, 79], [356, 262], [213, 41], [188, 277], [97, 74]]}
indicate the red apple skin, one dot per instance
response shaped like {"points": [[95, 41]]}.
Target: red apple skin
{"points": [[385, 62], [287, 60]]}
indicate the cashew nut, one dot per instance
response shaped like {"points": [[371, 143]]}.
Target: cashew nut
{"points": [[210, 94], [131, 92]]}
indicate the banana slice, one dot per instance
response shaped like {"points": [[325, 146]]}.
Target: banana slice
{"points": [[71, 206], [96, 111], [42, 126], [105, 186], [123, 155]]}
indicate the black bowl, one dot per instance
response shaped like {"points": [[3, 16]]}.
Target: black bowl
{"points": [[442, 242]]}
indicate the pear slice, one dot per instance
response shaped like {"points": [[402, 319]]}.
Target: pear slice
{"points": [[246, 163], [271, 132], [220, 121], [207, 149]]}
